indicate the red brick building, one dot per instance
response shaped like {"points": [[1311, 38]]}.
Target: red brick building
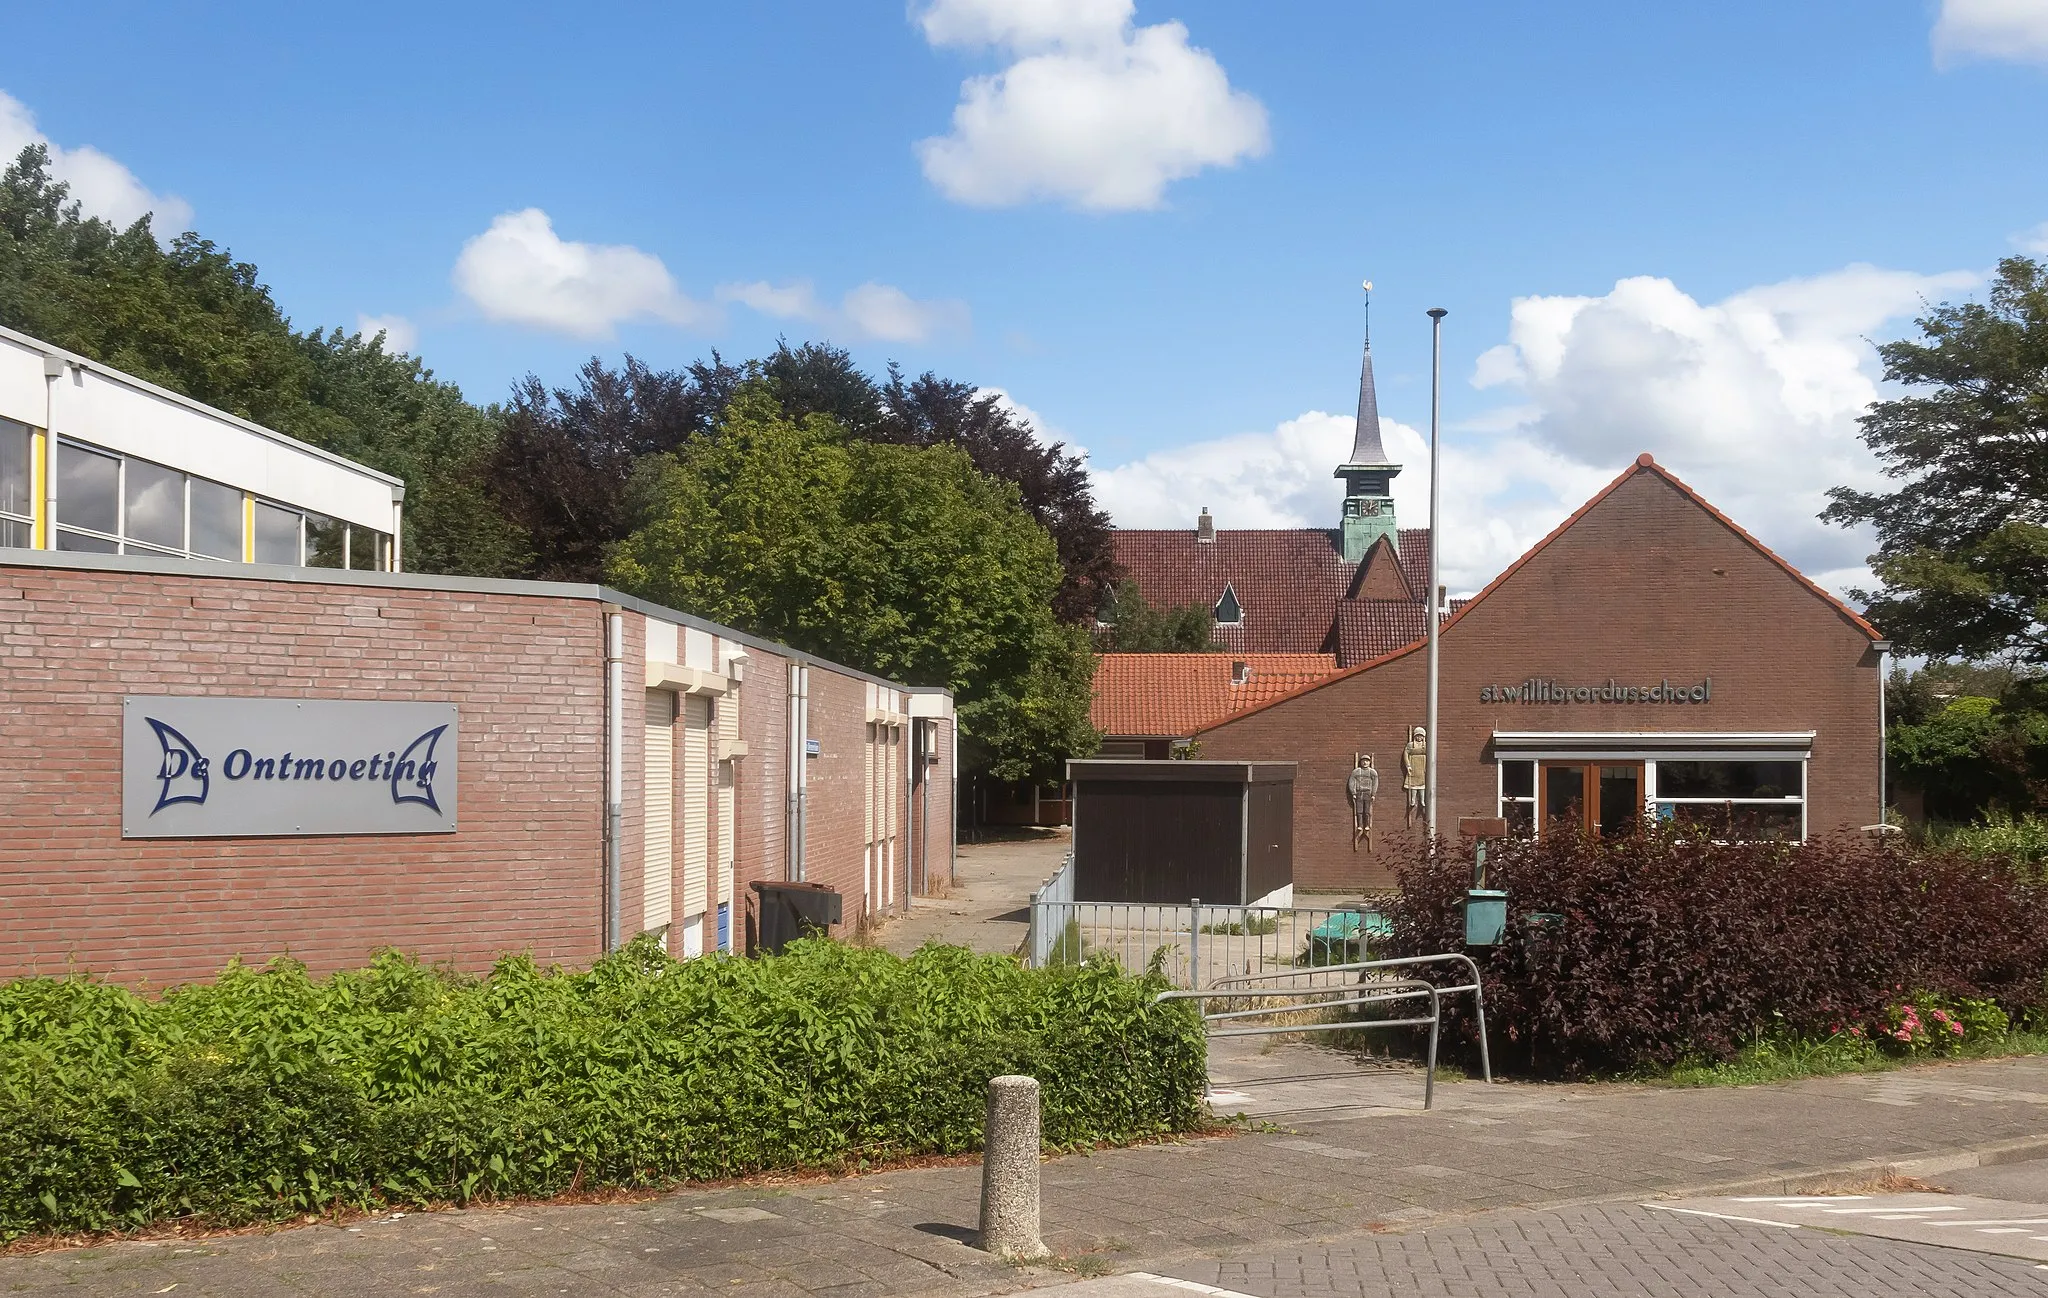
{"points": [[1648, 656], [1354, 592], [622, 768]]}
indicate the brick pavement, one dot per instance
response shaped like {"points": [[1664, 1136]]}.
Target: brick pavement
{"points": [[1350, 1154], [1615, 1249]]}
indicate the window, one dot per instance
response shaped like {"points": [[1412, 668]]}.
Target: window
{"points": [[1745, 800], [1518, 798], [365, 550], [1228, 611], [17, 486], [277, 534], [88, 495], [326, 542], [156, 506], [216, 521]]}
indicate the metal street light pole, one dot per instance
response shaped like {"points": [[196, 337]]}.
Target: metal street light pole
{"points": [[1436, 401]]}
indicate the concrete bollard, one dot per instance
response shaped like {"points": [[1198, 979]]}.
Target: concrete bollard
{"points": [[1009, 1170]]}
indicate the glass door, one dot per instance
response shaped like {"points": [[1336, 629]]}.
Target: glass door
{"points": [[1604, 799], [1562, 790], [1620, 799]]}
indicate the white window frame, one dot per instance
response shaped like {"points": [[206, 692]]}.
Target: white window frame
{"points": [[1650, 747]]}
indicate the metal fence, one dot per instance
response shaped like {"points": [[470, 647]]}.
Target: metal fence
{"points": [[1195, 944]]}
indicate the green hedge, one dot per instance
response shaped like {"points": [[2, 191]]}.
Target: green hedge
{"points": [[270, 1093]]}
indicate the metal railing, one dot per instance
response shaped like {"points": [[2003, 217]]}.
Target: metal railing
{"points": [[1194, 944], [1377, 993], [1223, 986]]}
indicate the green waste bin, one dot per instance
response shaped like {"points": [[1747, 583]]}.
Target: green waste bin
{"points": [[1486, 916]]}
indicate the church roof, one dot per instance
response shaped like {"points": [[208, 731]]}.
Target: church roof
{"points": [[1289, 581], [1367, 628]]}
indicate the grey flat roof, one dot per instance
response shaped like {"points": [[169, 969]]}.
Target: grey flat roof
{"points": [[179, 398], [1115, 768], [138, 563]]}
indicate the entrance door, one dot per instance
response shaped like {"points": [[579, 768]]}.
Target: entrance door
{"points": [[1604, 798]]}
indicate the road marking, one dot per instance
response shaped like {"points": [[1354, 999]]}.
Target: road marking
{"points": [[1993, 1221], [2001, 1230], [1857, 1212], [1190, 1285], [1724, 1216], [1792, 1200]]}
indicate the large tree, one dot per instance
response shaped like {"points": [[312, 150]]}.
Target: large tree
{"points": [[1132, 624], [1963, 541], [192, 319], [905, 561], [565, 455]]}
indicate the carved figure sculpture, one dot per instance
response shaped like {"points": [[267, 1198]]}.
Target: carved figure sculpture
{"points": [[1415, 776], [1361, 786]]}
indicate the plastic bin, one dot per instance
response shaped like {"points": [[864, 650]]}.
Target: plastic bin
{"points": [[785, 912]]}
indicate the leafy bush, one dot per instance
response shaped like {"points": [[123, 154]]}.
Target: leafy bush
{"points": [[1670, 948], [270, 1093], [2022, 840]]}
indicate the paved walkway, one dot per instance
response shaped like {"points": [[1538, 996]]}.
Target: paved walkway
{"points": [[1351, 1157], [988, 907]]}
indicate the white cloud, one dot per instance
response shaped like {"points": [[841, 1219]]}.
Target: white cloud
{"points": [[1093, 111], [2033, 241], [2015, 31], [102, 186], [400, 334], [878, 311], [521, 272], [1752, 401], [1043, 430]]}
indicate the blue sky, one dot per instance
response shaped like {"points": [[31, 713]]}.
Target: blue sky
{"points": [[1152, 236]]}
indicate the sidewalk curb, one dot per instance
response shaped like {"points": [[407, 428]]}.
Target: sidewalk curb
{"points": [[2022, 1150]]}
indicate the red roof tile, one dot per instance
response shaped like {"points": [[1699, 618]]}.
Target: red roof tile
{"points": [[1173, 695], [1367, 628], [1290, 582]]}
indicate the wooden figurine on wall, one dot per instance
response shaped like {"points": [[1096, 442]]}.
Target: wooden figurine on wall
{"points": [[1361, 786], [1415, 777]]}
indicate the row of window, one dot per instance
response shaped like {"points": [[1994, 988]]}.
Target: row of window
{"points": [[1734, 799], [116, 504]]}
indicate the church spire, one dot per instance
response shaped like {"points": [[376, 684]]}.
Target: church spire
{"points": [[1365, 440], [1368, 476]]}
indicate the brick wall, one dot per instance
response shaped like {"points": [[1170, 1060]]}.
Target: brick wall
{"points": [[521, 874], [837, 790], [1643, 585]]}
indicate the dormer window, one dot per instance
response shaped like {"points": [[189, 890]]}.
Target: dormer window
{"points": [[1228, 611]]}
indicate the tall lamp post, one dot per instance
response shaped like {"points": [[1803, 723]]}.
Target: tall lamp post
{"points": [[1436, 401]]}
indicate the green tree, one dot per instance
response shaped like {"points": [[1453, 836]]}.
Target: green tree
{"points": [[904, 561], [1963, 541], [1134, 625], [192, 319], [565, 456], [1972, 738]]}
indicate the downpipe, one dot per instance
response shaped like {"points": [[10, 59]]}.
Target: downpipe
{"points": [[614, 764]]}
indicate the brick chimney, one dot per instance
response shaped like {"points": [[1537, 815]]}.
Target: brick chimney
{"points": [[1205, 527]]}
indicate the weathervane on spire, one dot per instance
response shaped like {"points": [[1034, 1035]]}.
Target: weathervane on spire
{"points": [[1367, 474]]}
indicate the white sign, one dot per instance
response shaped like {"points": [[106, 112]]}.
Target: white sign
{"points": [[236, 767]]}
